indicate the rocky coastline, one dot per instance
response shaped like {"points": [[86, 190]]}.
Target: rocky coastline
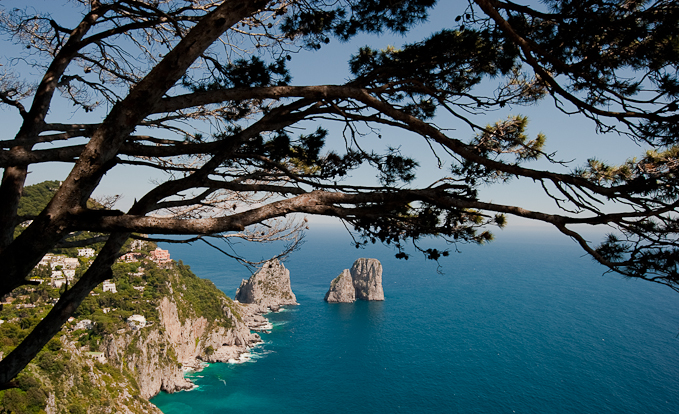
{"points": [[125, 347], [193, 342], [196, 342], [266, 291]]}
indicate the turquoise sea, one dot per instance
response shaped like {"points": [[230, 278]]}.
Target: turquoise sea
{"points": [[526, 324]]}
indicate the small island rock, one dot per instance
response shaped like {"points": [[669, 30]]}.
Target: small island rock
{"points": [[341, 289], [268, 288], [363, 281]]}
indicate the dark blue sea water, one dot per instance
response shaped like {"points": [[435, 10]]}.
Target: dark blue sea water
{"points": [[523, 325]]}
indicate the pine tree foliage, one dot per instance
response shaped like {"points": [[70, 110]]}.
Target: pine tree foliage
{"points": [[151, 76]]}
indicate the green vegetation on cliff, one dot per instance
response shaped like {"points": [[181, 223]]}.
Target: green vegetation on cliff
{"points": [[203, 297], [100, 387], [65, 376], [35, 197], [33, 201]]}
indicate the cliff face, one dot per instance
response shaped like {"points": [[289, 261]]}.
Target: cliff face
{"points": [[363, 281], [269, 288], [150, 358], [182, 321], [87, 386], [341, 289], [194, 336], [157, 356], [139, 363]]}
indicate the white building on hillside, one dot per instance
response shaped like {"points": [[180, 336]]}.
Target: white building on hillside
{"points": [[87, 252], [46, 259], [85, 324], [69, 273], [71, 262], [109, 287], [57, 261], [139, 273], [137, 244], [97, 356], [136, 321]]}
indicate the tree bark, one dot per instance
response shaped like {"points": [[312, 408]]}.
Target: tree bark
{"points": [[100, 270], [100, 152], [14, 177]]}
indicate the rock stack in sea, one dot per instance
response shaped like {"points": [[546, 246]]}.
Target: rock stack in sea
{"points": [[341, 288], [363, 281], [268, 289]]}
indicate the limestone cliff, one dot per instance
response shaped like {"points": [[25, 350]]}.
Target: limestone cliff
{"points": [[341, 289], [269, 288], [195, 336], [137, 364], [150, 359], [86, 385], [111, 366], [363, 281], [157, 356]]}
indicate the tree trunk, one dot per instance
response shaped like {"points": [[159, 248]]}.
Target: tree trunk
{"points": [[100, 270], [10, 192]]}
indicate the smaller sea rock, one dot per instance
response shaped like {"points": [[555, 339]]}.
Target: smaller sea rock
{"points": [[341, 289]]}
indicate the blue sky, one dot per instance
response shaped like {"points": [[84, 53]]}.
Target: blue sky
{"points": [[573, 138]]}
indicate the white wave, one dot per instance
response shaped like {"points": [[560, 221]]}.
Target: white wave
{"points": [[244, 357], [261, 354], [263, 327]]}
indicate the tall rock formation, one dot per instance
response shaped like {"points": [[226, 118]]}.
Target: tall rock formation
{"points": [[367, 277], [341, 289], [269, 288], [363, 281]]}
